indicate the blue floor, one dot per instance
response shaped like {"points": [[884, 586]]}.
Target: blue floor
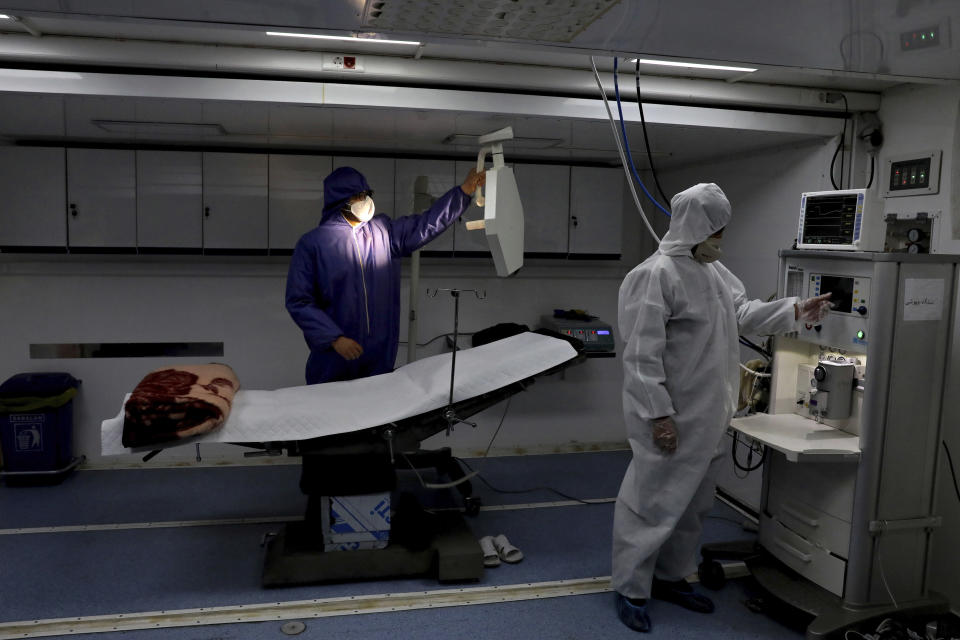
{"points": [[84, 573]]}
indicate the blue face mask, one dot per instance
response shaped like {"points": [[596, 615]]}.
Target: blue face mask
{"points": [[708, 251]]}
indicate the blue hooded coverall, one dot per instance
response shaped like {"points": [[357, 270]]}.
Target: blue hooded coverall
{"points": [[345, 281]]}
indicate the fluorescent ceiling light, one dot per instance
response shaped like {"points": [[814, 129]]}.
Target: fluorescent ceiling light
{"points": [[527, 143], [347, 38], [4, 16], [693, 65], [165, 128]]}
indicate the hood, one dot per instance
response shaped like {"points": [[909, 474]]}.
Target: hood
{"points": [[340, 186], [697, 213]]}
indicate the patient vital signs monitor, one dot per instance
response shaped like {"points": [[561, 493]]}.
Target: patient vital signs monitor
{"points": [[844, 220]]}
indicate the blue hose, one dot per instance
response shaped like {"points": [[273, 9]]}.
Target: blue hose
{"points": [[623, 130]]}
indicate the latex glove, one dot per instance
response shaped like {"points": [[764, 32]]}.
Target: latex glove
{"points": [[665, 434], [812, 310], [473, 181], [347, 348]]}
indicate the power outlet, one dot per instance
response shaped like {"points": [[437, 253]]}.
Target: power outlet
{"points": [[342, 62]]}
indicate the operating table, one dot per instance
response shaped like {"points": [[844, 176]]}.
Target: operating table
{"points": [[353, 460]]}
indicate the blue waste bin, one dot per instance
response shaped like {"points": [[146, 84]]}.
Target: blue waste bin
{"points": [[36, 424]]}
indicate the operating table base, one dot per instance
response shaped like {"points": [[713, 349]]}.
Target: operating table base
{"points": [[296, 556]]}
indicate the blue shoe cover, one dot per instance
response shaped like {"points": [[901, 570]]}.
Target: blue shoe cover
{"points": [[634, 616], [682, 594]]}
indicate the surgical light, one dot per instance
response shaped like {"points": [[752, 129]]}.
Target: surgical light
{"points": [[346, 38], [693, 65]]}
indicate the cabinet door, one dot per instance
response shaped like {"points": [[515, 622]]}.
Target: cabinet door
{"points": [[169, 200], [379, 173], [596, 211], [419, 184], [33, 198], [102, 199], [545, 193], [235, 202], [467, 242], [296, 197]]}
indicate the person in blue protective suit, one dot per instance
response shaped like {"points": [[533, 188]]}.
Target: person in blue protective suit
{"points": [[343, 286], [680, 312]]}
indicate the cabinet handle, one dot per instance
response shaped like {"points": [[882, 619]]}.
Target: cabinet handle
{"points": [[574, 221], [799, 555], [206, 212], [73, 210]]}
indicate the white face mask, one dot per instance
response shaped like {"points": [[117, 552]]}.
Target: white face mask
{"points": [[708, 251], [363, 210]]}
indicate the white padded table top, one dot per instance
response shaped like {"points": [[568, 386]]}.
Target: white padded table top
{"points": [[312, 411]]}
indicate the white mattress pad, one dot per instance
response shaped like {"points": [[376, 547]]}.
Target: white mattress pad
{"points": [[312, 411]]}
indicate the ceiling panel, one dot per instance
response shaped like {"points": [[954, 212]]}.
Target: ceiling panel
{"points": [[860, 36]]}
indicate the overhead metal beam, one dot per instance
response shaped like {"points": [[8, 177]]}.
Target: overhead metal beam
{"points": [[390, 97]]}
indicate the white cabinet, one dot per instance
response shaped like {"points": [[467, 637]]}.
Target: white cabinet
{"points": [[596, 211], [380, 175], [169, 201], [235, 201], [33, 196], [101, 199], [419, 183], [470, 241], [296, 197], [545, 194]]}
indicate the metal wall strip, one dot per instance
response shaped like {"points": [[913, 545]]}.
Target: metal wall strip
{"points": [[268, 520], [126, 350], [302, 609]]}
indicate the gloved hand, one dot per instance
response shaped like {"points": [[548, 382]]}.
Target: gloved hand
{"points": [[665, 434], [812, 310]]}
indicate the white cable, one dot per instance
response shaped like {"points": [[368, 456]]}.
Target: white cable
{"points": [[472, 474], [752, 372], [623, 156], [883, 575]]}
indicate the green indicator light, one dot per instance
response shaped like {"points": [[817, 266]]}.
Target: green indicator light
{"points": [[860, 335], [923, 37]]}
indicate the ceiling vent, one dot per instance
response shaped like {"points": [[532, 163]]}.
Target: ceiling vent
{"points": [[540, 20], [140, 127]]}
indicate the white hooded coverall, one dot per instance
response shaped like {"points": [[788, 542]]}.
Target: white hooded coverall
{"points": [[680, 320]]}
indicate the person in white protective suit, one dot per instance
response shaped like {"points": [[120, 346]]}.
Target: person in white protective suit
{"points": [[680, 313]]}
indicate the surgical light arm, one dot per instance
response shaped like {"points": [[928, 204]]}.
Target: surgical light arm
{"points": [[503, 212]]}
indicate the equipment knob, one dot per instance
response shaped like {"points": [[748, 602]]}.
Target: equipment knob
{"points": [[862, 310], [820, 374]]}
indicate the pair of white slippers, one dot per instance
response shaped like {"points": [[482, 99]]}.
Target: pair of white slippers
{"points": [[497, 548]]}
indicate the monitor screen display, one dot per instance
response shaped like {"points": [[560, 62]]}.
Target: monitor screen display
{"points": [[830, 218], [842, 290]]}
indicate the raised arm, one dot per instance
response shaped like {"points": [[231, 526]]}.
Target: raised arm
{"points": [[409, 233], [757, 317]]}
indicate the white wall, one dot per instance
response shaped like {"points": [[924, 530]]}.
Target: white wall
{"points": [[240, 302]]}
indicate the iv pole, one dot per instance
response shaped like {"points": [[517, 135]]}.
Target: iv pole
{"points": [[449, 414]]}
